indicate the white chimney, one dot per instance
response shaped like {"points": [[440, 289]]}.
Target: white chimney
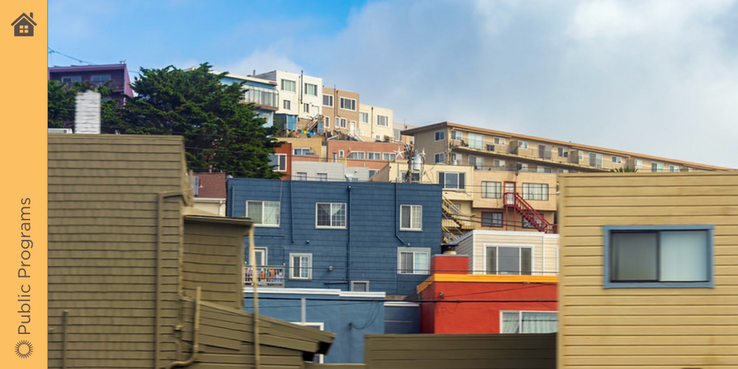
{"points": [[87, 113]]}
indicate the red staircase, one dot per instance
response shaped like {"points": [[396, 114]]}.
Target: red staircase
{"points": [[522, 207]]}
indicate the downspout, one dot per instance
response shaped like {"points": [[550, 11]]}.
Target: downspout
{"points": [[348, 245], [292, 212], [196, 333], [65, 316], [397, 220], [543, 262], [255, 277]]}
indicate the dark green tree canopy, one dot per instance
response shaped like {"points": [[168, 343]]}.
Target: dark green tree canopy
{"points": [[61, 101], [218, 129]]}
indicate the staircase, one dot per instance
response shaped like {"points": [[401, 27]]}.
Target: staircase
{"points": [[454, 224], [527, 212]]}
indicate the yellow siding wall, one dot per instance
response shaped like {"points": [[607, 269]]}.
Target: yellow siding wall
{"points": [[664, 328]]}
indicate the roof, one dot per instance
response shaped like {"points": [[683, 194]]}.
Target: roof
{"points": [[247, 78], [486, 278], [573, 145], [21, 17], [211, 185], [88, 68]]}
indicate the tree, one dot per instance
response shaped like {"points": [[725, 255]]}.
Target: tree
{"points": [[218, 129], [61, 101]]}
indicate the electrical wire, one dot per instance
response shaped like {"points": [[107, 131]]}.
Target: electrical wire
{"points": [[52, 51]]}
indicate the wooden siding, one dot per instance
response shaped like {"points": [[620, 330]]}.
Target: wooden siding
{"points": [[460, 351], [102, 247], [544, 262], [664, 328]]}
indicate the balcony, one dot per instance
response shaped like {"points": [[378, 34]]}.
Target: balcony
{"points": [[269, 276]]}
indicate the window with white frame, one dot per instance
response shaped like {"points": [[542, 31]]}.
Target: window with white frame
{"points": [[595, 160], [263, 213], [411, 217], [673, 168], [311, 89], [513, 260], [414, 176], [528, 322], [360, 286], [439, 135], [563, 152], [524, 166], [617, 159], [543, 169], [523, 144], [382, 120], [374, 155], [328, 100], [535, 191], [389, 156], [476, 141], [301, 266], [657, 167], [306, 108], [301, 176], [363, 117], [477, 162], [491, 219], [327, 123], [457, 135], [301, 151], [278, 162], [322, 177], [491, 190], [452, 181], [372, 172], [639, 163], [658, 256], [498, 141], [340, 122], [260, 256], [330, 215], [348, 104], [288, 85], [498, 163], [340, 153], [356, 155], [413, 260], [287, 105], [439, 158], [317, 358]]}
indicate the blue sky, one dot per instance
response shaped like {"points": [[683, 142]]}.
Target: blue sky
{"points": [[653, 77]]}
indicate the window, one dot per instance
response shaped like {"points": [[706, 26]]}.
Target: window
{"points": [[451, 181], [301, 176], [260, 254], [372, 172], [356, 155], [476, 141], [491, 190], [327, 123], [363, 117], [301, 151], [340, 153], [535, 191], [529, 322], [514, 260], [301, 266], [658, 256], [498, 141], [673, 168], [617, 160], [389, 156], [360, 286], [411, 217], [413, 260], [491, 219], [102, 78], [374, 155], [340, 122], [564, 153], [542, 169], [278, 162], [328, 100], [71, 79], [414, 176], [311, 89], [639, 163], [286, 104], [498, 163], [439, 135], [536, 225], [263, 213], [544, 152], [455, 159], [524, 166], [476, 162], [323, 176], [382, 120], [595, 160], [523, 144], [288, 85], [457, 135], [306, 108], [439, 158], [330, 215], [657, 167], [348, 104]]}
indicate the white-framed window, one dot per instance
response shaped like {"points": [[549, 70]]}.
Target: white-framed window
{"points": [[414, 176], [512, 260], [327, 123], [348, 104], [260, 254], [477, 162], [301, 176], [330, 215], [323, 177], [287, 105], [301, 151], [389, 156], [499, 141], [340, 154], [382, 120], [340, 122], [523, 144], [581, 157], [563, 152], [658, 256], [357, 155], [411, 217], [491, 190], [71, 79], [306, 108], [439, 135], [657, 167], [492, 219], [528, 322], [278, 162], [363, 117], [328, 100], [543, 169], [360, 286], [289, 85], [595, 160], [263, 213], [498, 163], [673, 168], [639, 163], [457, 135], [311, 89], [452, 181], [374, 155], [372, 172], [454, 158], [535, 191], [439, 158], [317, 358], [617, 159], [476, 141], [413, 260], [301, 266]]}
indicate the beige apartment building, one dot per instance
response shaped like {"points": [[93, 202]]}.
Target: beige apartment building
{"points": [[341, 112], [376, 123], [486, 149]]}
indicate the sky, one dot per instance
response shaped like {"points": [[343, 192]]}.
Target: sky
{"points": [[652, 77]]}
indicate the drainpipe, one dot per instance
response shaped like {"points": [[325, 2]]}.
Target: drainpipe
{"points": [[348, 244], [196, 338], [397, 219], [292, 213]]}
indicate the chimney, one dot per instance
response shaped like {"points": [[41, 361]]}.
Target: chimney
{"points": [[87, 113], [31, 14], [254, 73]]}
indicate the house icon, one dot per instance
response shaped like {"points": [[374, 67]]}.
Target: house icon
{"points": [[24, 25]]}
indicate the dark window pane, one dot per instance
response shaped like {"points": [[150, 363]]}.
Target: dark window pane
{"points": [[634, 256]]}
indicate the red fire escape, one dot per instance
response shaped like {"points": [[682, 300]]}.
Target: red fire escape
{"points": [[515, 202]]}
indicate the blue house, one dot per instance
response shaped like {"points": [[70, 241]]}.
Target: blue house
{"points": [[350, 315], [263, 93], [352, 236]]}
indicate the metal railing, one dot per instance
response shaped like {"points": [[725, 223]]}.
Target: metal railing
{"points": [[269, 276]]}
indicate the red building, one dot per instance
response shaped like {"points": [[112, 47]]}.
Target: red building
{"points": [[282, 160], [454, 301]]}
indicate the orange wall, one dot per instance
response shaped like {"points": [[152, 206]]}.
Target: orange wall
{"points": [[286, 148]]}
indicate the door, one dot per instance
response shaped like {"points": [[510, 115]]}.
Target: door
{"points": [[509, 193], [353, 127]]}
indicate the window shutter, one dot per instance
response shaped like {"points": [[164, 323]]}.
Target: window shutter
{"points": [[441, 179]]}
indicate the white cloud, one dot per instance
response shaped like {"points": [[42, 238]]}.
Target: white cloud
{"points": [[261, 61]]}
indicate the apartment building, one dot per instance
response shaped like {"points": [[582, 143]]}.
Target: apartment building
{"points": [[261, 92], [451, 143], [300, 100], [377, 123], [341, 113]]}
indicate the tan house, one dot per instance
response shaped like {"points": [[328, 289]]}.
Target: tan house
{"points": [[510, 253], [341, 112], [138, 278], [649, 269], [376, 123]]}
